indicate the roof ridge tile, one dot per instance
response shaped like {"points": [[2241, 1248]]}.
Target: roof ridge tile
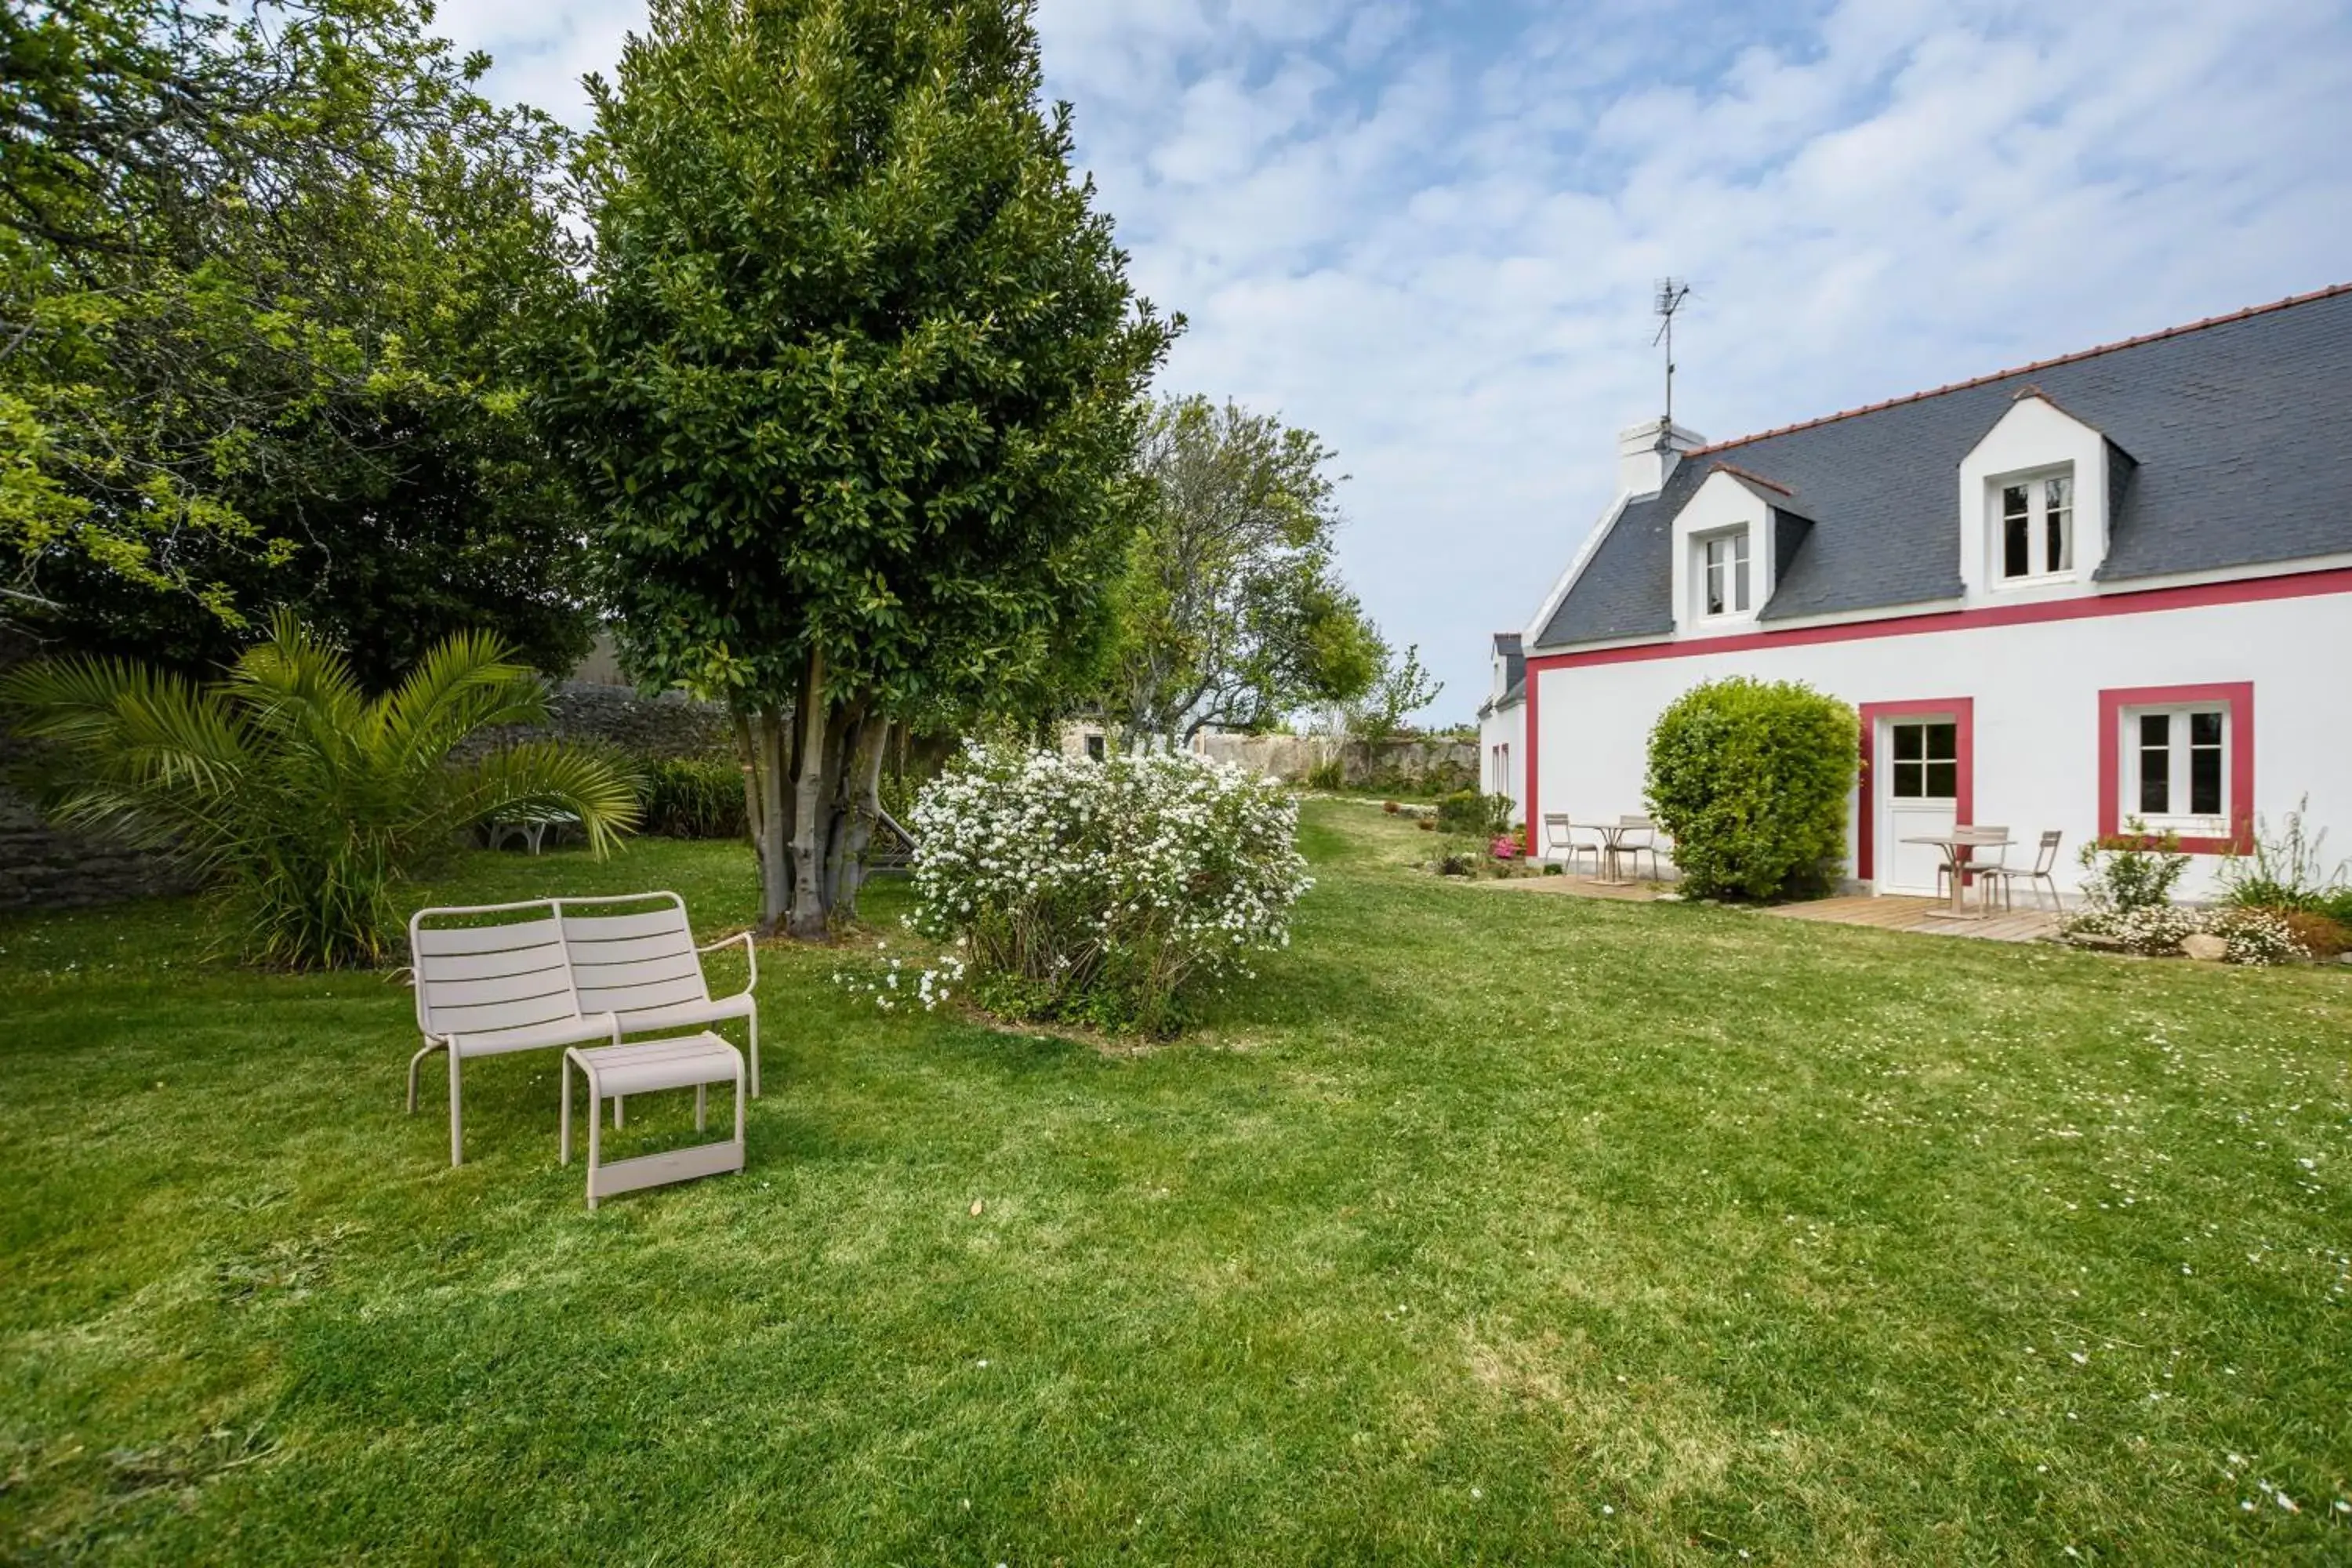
{"points": [[2331, 291]]}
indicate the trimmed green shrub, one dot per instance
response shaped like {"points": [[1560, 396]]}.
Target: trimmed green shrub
{"points": [[1751, 779], [692, 798]]}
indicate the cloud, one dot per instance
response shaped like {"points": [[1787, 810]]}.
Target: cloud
{"points": [[1429, 231]]}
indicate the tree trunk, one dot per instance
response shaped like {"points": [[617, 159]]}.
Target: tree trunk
{"points": [[806, 919], [863, 779], [767, 734]]}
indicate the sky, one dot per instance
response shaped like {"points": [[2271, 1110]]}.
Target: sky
{"points": [[1432, 232]]}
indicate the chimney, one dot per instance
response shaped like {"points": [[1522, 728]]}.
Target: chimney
{"points": [[1647, 453]]}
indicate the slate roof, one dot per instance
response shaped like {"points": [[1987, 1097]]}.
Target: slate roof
{"points": [[1515, 674], [2238, 432]]}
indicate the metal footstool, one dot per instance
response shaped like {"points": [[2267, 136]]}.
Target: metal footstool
{"points": [[645, 1066]]}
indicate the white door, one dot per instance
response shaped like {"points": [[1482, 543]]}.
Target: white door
{"points": [[1918, 790]]}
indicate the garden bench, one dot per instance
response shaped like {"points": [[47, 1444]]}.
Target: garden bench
{"points": [[530, 826], [645, 1066], [553, 973]]}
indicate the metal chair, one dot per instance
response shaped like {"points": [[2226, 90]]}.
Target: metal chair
{"points": [[2043, 873], [1559, 837], [1982, 871], [1647, 844]]}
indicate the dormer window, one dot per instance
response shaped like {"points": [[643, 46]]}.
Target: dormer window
{"points": [[1724, 575], [2036, 526]]}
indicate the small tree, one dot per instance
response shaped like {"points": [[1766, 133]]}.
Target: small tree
{"points": [[1400, 688], [858, 397], [1751, 779], [305, 800], [1230, 612]]}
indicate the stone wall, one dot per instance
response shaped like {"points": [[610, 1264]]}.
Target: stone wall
{"points": [[42, 869], [1386, 765], [670, 725]]}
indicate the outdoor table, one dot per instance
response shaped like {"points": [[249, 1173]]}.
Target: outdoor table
{"points": [[1955, 851], [1612, 834]]}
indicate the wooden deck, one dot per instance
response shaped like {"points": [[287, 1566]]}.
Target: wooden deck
{"points": [[1922, 917]]}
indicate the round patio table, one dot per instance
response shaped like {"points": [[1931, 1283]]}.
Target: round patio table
{"points": [[1613, 844], [1955, 849]]}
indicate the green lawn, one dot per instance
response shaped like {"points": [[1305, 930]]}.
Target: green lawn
{"points": [[1483, 1226]]}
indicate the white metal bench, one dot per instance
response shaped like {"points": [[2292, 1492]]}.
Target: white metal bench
{"points": [[581, 971], [645, 1067]]}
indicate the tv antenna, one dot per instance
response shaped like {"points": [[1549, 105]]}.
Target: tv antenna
{"points": [[1672, 292]]}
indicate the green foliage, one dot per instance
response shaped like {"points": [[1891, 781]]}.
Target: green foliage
{"points": [[1231, 612], [1397, 689], [857, 395], [2289, 871], [1331, 774], [307, 802], [687, 797], [1750, 779], [1467, 810], [2337, 906], [267, 276], [2136, 869]]}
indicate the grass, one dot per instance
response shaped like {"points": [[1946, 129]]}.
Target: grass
{"points": [[1480, 1227]]}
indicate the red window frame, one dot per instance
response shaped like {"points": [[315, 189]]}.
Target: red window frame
{"points": [[1963, 711], [2238, 698]]}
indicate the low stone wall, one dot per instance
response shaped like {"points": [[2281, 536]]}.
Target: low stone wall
{"points": [[1425, 764], [42, 869], [670, 725]]}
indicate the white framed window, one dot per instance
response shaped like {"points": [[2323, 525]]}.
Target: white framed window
{"points": [[2176, 766], [2033, 526], [1724, 575]]}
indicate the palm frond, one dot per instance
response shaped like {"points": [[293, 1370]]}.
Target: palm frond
{"points": [[305, 802], [464, 685], [543, 775], [140, 754]]}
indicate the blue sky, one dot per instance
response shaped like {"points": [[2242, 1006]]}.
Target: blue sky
{"points": [[1430, 231]]}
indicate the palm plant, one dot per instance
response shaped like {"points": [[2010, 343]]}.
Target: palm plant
{"points": [[302, 798]]}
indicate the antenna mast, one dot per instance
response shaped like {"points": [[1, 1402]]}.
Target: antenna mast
{"points": [[1672, 292]]}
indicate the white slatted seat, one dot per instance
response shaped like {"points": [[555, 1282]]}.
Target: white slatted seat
{"points": [[645, 1066], [503, 981]]}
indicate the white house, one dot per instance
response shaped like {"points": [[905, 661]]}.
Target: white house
{"points": [[1503, 724], [2110, 585]]}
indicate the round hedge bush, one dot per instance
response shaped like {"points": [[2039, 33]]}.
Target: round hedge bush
{"points": [[1750, 779]]}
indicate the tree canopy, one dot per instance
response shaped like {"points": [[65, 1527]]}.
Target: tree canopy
{"points": [[1230, 611], [857, 398], [267, 275]]}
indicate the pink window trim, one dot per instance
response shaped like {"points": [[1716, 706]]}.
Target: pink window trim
{"points": [[1963, 713], [2238, 698]]}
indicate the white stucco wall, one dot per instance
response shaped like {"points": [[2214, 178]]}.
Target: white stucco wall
{"points": [[1506, 728], [2035, 688]]}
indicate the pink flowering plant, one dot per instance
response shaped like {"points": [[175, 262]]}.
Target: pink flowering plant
{"points": [[1103, 893]]}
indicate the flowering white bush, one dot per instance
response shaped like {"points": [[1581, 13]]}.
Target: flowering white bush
{"points": [[1099, 890], [2255, 936], [2151, 929]]}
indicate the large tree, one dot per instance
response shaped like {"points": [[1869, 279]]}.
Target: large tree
{"points": [[857, 396], [1230, 611], [264, 275]]}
